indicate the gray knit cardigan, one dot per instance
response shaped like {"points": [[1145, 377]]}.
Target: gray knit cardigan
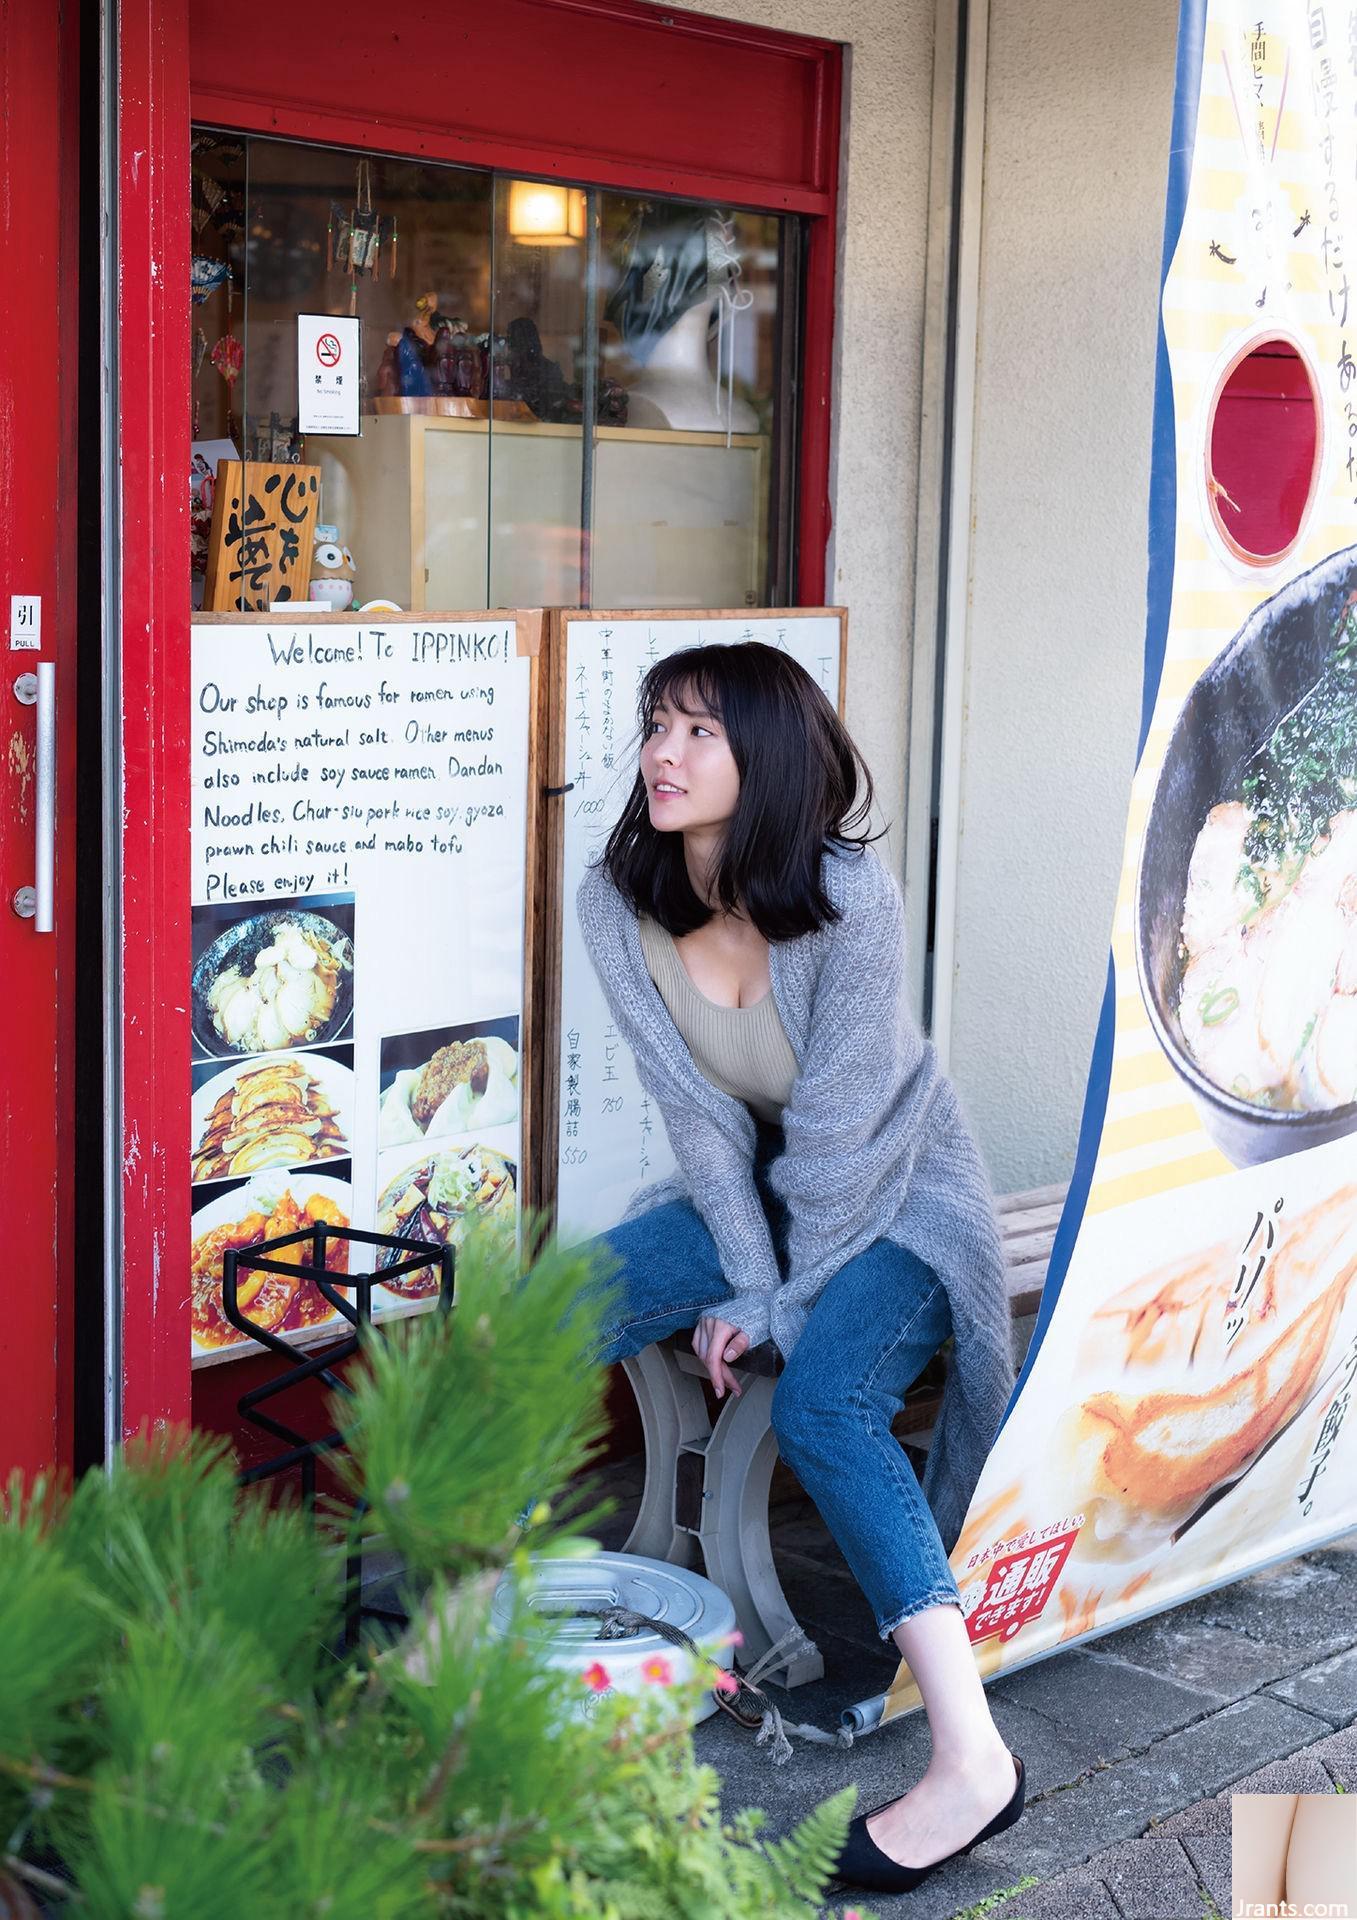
{"points": [[875, 1147]]}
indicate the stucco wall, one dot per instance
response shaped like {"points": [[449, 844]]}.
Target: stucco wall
{"points": [[1077, 132], [883, 232]]}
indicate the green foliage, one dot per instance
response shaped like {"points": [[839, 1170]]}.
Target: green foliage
{"points": [[176, 1739], [460, 1422]]}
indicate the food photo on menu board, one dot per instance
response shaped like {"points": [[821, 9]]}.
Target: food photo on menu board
{"points": [[275, 1110], [448, 1138], [269, 1102], [278, 978], [239, 1214]]}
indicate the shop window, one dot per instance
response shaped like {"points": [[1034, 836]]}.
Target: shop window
{"points": [[563, 396], [1264, 450]]}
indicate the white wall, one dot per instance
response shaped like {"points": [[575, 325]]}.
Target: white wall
{"points": [[1077, 134], [884, 214]]}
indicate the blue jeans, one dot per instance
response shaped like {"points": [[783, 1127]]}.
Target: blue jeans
{"points": [[872, 1330]]}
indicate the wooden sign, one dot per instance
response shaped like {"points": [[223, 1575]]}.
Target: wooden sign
{"points": [[263, 521]]}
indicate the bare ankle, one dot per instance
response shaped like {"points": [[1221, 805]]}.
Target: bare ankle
{"points": [[972, 1758]]}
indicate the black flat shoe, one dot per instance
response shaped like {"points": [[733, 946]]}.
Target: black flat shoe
{"points": [[863, 1864]]}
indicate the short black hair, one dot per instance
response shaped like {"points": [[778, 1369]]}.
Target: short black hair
{"points": [[804, 786]]}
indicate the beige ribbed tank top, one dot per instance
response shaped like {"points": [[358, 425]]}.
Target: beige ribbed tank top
{"points": [[742, 1050]]}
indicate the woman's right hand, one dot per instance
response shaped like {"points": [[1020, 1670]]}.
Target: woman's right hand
{"points": [[715, 1342]]}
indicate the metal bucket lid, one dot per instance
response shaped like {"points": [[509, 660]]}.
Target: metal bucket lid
{"points": [[558, 1589]]}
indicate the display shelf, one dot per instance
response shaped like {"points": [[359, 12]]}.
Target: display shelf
{"points": [[444, 511]]}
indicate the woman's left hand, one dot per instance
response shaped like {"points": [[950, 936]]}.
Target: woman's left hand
{"points": [[715, 1342]]}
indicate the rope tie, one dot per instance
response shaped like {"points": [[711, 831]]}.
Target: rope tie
{"points": [[750, 1705]]}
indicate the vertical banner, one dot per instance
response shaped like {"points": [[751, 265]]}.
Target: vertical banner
{"points": [[611, 1138], [359, 874], [1186, 1413]]}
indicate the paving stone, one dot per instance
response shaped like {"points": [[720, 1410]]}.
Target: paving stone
{"points": [[1219, 1660], [882, 1766], [950, 1891], [1301, 1773], [1111, 1706], [1210, 1856], [1051, 1757], [1118, 1803], [1310, 1604], [1329, 1689], [1279, 1648], [1150, 1880], [1074, 1896], [1204, 1817], [1338, 1756]]}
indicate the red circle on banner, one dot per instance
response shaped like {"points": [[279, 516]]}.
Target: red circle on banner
{"points": [[328, 350], [1264, 448]]}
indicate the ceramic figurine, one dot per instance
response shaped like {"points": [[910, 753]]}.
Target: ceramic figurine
{"points": [[331, 570]]}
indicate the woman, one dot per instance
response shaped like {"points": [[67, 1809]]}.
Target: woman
{"points": [[750, 946]]}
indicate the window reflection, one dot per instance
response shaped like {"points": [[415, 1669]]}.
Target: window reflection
{"points": [[495, 313]]}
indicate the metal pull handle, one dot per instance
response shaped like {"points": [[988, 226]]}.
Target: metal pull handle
{"points": [[45, 800]]}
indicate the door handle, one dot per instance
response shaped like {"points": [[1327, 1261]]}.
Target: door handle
{"points": [[37, 903], [45, 800]]}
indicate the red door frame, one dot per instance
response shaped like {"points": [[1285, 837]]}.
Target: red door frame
{"points": [[39, 306], [150, 1095], [766, 136]]}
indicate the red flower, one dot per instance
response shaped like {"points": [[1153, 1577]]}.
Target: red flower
{"points": [[597, 1677], [726, 1682], [658, 1669]]}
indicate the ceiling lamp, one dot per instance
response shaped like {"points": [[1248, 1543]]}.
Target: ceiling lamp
{"points": [[544, 215]]}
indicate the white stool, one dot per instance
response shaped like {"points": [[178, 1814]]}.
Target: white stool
{"points": [[706, 1489]]}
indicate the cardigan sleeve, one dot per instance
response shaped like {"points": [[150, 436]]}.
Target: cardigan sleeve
{"points": [[859, 1070], [718, 1175]]}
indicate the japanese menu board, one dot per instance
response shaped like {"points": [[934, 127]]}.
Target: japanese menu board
{"points": [[359, 848], [1187, 1411], [611, 1138]]}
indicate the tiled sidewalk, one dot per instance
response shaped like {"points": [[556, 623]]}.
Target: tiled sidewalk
{"points": [[1128, 1741], [1180, 1869]]}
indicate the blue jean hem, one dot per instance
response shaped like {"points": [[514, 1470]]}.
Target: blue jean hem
{"points": [[938, 1597]]}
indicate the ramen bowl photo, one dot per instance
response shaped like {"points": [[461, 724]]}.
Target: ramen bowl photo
{"points": [[1246, 895]]}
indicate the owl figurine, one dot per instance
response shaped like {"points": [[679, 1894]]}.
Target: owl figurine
{"points": [[331, 570]]}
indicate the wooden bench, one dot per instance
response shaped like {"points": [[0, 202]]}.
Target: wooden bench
{"points": [[705, 1500]]}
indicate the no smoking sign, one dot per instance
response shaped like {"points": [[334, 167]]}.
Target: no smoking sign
{"points": [[329, 373]]}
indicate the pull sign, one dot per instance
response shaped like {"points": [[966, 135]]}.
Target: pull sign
{"points": [[25, 622]]}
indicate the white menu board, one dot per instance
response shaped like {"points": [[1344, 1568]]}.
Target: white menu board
{"points": [[611, 1138], [359, 834]]}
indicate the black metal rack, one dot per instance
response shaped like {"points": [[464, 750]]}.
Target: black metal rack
{"points": [[352, 1299]]}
